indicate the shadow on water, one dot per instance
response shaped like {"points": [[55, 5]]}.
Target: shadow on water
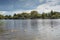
{"points": [[54, 23], [51, 23], [34, 24], [2, 30], [34, 28]]}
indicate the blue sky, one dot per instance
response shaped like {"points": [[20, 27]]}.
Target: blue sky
{"points": [[16, 6], [12, 5]]}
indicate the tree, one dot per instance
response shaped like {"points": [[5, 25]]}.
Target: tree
{"points": [[44, 15], [9, 17], [1, 16], [25, 15], [15, 16], [34, 15]]}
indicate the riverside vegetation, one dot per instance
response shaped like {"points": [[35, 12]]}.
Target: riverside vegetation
{"points": [[32, 15]]}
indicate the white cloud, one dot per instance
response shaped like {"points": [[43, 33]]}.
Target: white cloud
{"points": [[41, 1], [2, 12], [48, 6], [28, 11], [29, 4], [22, 0], [12, 12]]}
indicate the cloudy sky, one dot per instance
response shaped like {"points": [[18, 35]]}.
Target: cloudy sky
{"points": [[18, 6]]}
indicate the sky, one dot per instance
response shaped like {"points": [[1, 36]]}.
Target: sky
{"points": [[19, 6]]}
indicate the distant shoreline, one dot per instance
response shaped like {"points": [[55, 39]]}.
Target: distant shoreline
{"points": [[32, 15]]}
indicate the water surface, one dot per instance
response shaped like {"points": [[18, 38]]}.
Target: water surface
{"points": [[47, 29]]}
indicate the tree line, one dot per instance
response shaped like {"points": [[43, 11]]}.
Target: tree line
{"points": [[32, 15]]}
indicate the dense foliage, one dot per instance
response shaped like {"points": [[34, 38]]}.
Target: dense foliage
{"points": [[32, 15]]}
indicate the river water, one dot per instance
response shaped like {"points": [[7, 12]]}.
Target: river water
{"points": [[36, 29]]}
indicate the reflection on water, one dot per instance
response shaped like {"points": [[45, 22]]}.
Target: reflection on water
{"points": [[31, 29]]}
